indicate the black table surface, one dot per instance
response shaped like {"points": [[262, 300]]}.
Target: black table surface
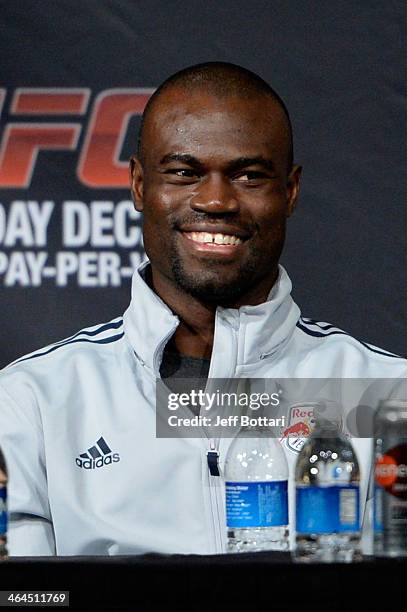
{"points": [[211, 582]]}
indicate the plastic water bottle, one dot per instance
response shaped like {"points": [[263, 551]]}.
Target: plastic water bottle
{"points": [[327, 496], [256, 475], [3, 507]]}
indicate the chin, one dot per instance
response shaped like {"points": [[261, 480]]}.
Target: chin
{"points": [[209, 287], [214, 293]]}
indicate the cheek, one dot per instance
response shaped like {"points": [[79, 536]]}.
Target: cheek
{"points": [[165, 200], [156, 210], [158, 222], [160, 203], [270, 215], [152, 194]]}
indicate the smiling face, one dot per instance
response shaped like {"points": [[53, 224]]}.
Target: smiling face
{"points": [[215, 192]]}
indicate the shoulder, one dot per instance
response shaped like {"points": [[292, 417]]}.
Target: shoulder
{"points": [[59, 375], [324, 332], [51, 359], [331, 342]]}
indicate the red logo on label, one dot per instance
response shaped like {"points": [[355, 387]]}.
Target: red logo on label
{"points": [[391, 471], [299, 430]]}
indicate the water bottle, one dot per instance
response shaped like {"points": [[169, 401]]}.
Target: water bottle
{"points": [[3, 507], [256, 475], [327, 495]]}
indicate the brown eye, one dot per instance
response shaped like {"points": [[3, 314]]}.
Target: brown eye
{"points": [[182, 172], [245, 177]]}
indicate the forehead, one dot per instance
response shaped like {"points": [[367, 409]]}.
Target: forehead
{"points": [[203, 124]]}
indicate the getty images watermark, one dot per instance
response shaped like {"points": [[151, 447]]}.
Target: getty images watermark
{"points": [[205, 403], [216, 407], [287, 408]]}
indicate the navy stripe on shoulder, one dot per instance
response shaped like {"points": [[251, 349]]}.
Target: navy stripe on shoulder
{"points": [[319, 334], [94, 332], [379, 351], [318, 323], [113, 325], [322, 334], [54, 348]]}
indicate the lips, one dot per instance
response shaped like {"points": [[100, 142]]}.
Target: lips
{"points": [[212, 238], [215, 239], [219, 246], [214, 229]]}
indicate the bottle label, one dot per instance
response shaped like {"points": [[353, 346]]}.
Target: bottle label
{"points": [[390, 493], [327, 509], [256, 504], [391, 471], [3, 510]]}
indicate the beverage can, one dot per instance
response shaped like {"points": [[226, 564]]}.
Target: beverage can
{"points": [[390, 479]]}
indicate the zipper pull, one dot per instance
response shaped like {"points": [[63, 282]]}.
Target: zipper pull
{"points": [[213, 462], [213, 459]]}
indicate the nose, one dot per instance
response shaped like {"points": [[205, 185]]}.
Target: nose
{"points": [[215, 194]]}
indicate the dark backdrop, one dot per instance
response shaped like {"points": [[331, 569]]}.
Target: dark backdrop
{"points": [[339, 67]]}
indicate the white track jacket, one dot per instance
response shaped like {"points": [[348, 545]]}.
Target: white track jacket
{"points": [[91, 398]]}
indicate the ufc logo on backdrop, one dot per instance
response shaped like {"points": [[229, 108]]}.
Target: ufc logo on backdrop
{"points": [[98, 164]]}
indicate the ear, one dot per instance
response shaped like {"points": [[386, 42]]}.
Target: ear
{"points": [[293, 189], [136, 182]]}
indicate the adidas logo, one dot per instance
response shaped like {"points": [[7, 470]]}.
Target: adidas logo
{"points": [[97, 456]]}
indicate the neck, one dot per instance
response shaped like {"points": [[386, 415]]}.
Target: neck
{"points": [[195, 333]]}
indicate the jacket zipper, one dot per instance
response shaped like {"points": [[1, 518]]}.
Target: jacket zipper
{"points": [[215, 493], [215, 487], [212, 460]]}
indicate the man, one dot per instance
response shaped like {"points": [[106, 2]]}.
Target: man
{"points": [[215, 181]]}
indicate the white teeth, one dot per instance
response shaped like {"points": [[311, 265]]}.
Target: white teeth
{"points": [[213, 238]]}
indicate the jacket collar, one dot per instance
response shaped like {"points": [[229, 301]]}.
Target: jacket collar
{"points": [[257, 331]]}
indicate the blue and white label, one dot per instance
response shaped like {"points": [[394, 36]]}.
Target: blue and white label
{"points": [[3, 510], [256, 504], [330, 509]]}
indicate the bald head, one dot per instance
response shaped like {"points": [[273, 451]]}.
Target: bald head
{"points": [[215, 159], [220, 80]]}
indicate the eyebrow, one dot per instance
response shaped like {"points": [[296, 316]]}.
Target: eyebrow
{"points": [[235, 164], [184, 158]]}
